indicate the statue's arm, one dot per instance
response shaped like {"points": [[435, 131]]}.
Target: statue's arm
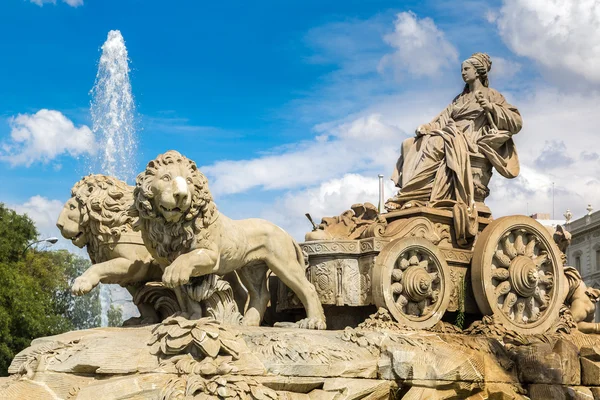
{"points": [[505, 116], [438, 122]]}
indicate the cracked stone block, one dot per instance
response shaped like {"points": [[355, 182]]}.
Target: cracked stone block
{"points": [[590, 372], [569, 359], [539, 364], [579, 393], [542, 391]]}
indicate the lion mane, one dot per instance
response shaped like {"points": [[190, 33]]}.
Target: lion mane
{"points": [[106, 213], [170, 239]]}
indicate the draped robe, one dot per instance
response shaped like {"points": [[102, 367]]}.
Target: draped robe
{"points": [[436, 166]]}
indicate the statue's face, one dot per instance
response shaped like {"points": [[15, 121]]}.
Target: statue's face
{"points": [[172, 190], [469, 73], [69, 223]]}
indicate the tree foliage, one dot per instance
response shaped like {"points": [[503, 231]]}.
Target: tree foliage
{"points": [[115, 315], [35, 297]]}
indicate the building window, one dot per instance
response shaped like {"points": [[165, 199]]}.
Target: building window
{"points": [[578, 263], [598, 260]]}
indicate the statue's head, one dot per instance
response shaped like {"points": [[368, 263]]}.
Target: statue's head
{"points": [[173, 188], [476, 67], [99, 211]]}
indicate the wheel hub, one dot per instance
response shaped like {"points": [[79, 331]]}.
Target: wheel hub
{"points": [[524, 276], [417, 283]]}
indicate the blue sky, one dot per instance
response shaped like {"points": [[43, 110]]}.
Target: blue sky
{"points": [[296, 106]]}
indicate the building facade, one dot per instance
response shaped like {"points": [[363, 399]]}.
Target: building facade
{"points": [[584, 251]]}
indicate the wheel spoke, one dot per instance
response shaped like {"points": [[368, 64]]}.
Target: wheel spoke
{"points": [[520, 310], [509, 247], [541, 259], [519, 245], [501, 274], [509, 302], [396, 275], [547, 279], [401, 302], [502, 289], [502, 258], [541, 298], [530, 248], [397, 288]]}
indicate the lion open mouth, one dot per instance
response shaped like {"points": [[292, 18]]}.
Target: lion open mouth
{"points": [[77, 236], [176, 209]]}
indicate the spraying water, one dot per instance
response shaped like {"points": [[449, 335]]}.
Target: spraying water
{"points": [[113, 123], [113, 112]]}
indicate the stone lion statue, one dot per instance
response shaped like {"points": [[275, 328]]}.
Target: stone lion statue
{"points": [[99, 216], [183, 230]]}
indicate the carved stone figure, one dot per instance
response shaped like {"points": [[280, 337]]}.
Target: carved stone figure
{"points": [[581, 300], [351, 224], [98, 216], [183, 230], [436, 165]]}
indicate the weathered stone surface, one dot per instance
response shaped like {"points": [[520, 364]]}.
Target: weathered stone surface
{"points": [[590, 372], [539, 364], [569, 359], [546, 392], [595, 392], [579, 393], [139, 386], [204, 357]]}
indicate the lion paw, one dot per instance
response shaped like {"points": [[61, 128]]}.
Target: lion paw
{"points": [[312, 323], [251, 318], [177, 275], [82, 285]]}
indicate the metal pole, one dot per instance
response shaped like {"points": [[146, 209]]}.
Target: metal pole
{"points": [[552, 200], [381, 198], [50, 240]]}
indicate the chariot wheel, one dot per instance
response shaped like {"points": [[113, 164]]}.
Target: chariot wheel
{"points": [[410, 279], [517, 274]]}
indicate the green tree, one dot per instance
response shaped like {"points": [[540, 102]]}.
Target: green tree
{"points": [[115, 315], [35, 298]]}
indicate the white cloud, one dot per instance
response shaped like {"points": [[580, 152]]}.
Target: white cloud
{"points": [[44, 212], [329, 198], [363, 144], [72, 3], [561, 35], [421, 49], [503, 68], [557, 145], [44, 136]]}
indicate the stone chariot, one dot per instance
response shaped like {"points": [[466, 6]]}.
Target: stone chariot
{"points": [[413, 263]]}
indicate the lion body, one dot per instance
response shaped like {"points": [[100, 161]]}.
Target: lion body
{"points": [[183, 230]]}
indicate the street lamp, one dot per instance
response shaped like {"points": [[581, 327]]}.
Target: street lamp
{"points": [[50, 240]]}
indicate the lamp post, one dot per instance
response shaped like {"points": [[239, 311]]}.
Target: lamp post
{"points": [[50, 240]]}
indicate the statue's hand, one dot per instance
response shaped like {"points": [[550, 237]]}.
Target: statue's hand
{"points": [[422, 130], [178, 273], [484, 103]]}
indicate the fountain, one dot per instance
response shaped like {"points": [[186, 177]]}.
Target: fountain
{"points": [[113, 112], [113, 123]]}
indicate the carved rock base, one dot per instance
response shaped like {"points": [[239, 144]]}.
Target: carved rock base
{"points": [[183, 359]]}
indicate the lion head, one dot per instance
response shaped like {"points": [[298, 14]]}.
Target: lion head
{"points": [[174, 204], [98, 212]]}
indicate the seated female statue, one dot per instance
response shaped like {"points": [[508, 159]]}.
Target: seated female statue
{"points": [[435, 167]]}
